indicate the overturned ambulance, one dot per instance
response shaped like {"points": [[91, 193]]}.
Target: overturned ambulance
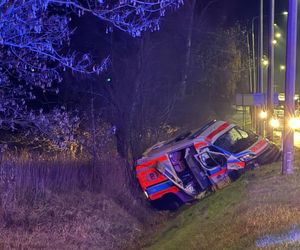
{"points": [[194, 163]]}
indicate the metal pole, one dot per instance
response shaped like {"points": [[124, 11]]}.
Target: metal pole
{"points": [[260, 49], [249, 65], [253, 57], [250, 79], [270, 89], [259, 62], [254, 80], [290, 79]]}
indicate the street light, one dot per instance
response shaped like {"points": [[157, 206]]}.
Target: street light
{"points": [[259, 62], [263, 115], [282, 67], [274, 41], [265, 62], [274, 122], [294, 123], [277, 35]]}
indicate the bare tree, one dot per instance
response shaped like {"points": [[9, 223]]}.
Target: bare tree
{"points": [[35, 37]]}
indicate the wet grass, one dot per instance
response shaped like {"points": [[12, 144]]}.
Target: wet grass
{"points": [[261, 203]]}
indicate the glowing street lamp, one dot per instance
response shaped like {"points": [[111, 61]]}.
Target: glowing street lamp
{"points": [[294, 123], [282, 67], [285, 13], [274, 41], [278, 35], [265, 62], [274, 122], [263, 115]]}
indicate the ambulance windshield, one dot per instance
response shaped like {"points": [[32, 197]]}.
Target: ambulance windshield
{"points": [[236, 140]]}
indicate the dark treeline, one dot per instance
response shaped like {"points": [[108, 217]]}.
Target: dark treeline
{"points": [[176, 78]]}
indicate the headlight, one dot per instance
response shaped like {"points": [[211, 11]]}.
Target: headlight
{"points": [[247, 157]]}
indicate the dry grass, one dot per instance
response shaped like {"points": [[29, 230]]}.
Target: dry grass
{"points": [[51, 204], [72, 221], [264, 218]]}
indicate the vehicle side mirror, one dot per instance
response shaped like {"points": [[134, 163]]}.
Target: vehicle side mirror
{"points": [[234, 163]]}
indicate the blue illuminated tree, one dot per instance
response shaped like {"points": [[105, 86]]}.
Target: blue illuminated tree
{"points": [[35, 37]]}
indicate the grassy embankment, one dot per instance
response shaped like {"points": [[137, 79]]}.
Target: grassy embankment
{"points": [[261, 203], [53, 204]]}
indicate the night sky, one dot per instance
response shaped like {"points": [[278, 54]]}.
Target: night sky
{"points": [[225, 13], [243, 11]]}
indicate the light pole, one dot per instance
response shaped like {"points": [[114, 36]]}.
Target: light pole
{"points": [[258, 82], [254, 80], [260, 85], [249, 65], [260, 49], [253, 55], [290, 79], [258, 63], [270, 88]]}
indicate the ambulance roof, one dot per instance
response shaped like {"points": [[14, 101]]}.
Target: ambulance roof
{"points": [[179, 142]]}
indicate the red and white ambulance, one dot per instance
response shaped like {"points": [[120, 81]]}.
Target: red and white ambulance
{"points": [[194, 163]]}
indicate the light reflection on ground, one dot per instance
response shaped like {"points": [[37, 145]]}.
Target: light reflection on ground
{"points": [[289, 237]]}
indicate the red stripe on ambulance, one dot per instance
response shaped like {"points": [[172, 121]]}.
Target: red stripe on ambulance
{"points": [[222, 171], [148, 175], [217, 131], [159, 194], [259, 145], [152, 162], [200, 144]]}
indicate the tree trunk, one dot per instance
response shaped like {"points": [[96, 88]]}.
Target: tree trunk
{"points": [[93, 136], [187, 61]]}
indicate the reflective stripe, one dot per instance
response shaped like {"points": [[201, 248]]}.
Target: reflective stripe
{"points": [[200, 144], [233, 160], [152, 162], [159, 194], [217, 131], [258, 146], [143, 169], [213, 170], [159, 187], [236, 165], [222, 171]]}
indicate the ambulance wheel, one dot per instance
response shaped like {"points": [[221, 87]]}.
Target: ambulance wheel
{"points": [[234, 175], [168, 202]]}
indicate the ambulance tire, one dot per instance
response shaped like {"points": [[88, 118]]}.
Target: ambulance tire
{"points": [[168, 202], [234, 175]]}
